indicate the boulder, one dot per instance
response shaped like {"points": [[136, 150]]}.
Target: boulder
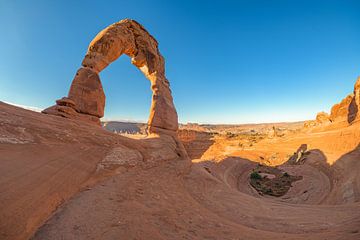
{"points": [[309, 124], [322, 118], [354, 106], [340, 111]]}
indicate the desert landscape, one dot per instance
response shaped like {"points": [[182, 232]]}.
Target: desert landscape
{"points": [[67, 174]]}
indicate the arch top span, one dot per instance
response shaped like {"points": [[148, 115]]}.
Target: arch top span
{"points": [[86, 98], [124, 37]]}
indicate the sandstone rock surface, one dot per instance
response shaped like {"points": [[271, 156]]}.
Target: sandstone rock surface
{"points": [[340, 111], [86, 92], [322, 118], [354, 105], [345, 112]]}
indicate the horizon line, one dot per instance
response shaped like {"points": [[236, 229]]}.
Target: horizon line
{"points": [[125, 120]]}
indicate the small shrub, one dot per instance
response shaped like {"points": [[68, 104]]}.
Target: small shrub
{"points": [[269, 190], [286, 174], [255, 175]]}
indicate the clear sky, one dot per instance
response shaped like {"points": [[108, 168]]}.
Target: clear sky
{"points": [[227, 61]]}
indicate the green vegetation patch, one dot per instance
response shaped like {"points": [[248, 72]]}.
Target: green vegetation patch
{"points": [[277, 185]]}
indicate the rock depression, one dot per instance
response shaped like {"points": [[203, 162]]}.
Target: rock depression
{"points": [[86, 98]]}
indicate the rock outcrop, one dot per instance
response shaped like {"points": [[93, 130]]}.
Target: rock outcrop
{"points": [[309, 124], [86, 98], [299, 156], [273, 132], [340, 111], [322, 118], [345, 111], [354, 106]]}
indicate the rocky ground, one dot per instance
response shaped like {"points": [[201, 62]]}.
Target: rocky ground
{"points": [[61, 179], [64, 178], [46, 160]]}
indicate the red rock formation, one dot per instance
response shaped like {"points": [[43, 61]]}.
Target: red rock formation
{"points": [[354, 105], [322, 118], [87, 92], [309, 123], [345, 111], [86, 99], [340, 111]]}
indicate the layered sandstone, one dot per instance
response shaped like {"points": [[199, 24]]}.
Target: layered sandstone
{"points": [[340, 111], [86, 93], [103, 185], [354, 105], [85, 101], [347, 111], [45, 160], [322, 118]]}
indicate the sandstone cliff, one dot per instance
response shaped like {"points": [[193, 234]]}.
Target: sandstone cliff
{"points": [[347, 111]]}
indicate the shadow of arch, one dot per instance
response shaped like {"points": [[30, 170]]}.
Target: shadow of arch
{"points": [[86, 98]]}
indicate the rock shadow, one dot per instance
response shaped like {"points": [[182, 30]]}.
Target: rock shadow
{"points": [[352, 111]]}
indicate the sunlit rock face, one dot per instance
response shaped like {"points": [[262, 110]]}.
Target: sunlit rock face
{"points": [[322, 118], [354, 107], [86, 95], [348, 108], [347, 111], [340, 111]]}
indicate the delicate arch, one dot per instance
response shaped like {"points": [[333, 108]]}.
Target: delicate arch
{"points": [[86, 99]]}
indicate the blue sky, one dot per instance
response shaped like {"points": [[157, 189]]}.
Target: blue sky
{"points": [[227, 61]]}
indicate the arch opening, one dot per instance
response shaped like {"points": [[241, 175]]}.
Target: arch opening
{"points": [[128, 96]]}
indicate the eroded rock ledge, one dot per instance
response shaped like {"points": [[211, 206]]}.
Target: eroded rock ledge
{"points": [[86, 98], [345, 111]]}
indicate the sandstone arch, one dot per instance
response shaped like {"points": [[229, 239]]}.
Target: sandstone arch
{"points": [[86, 98]]}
